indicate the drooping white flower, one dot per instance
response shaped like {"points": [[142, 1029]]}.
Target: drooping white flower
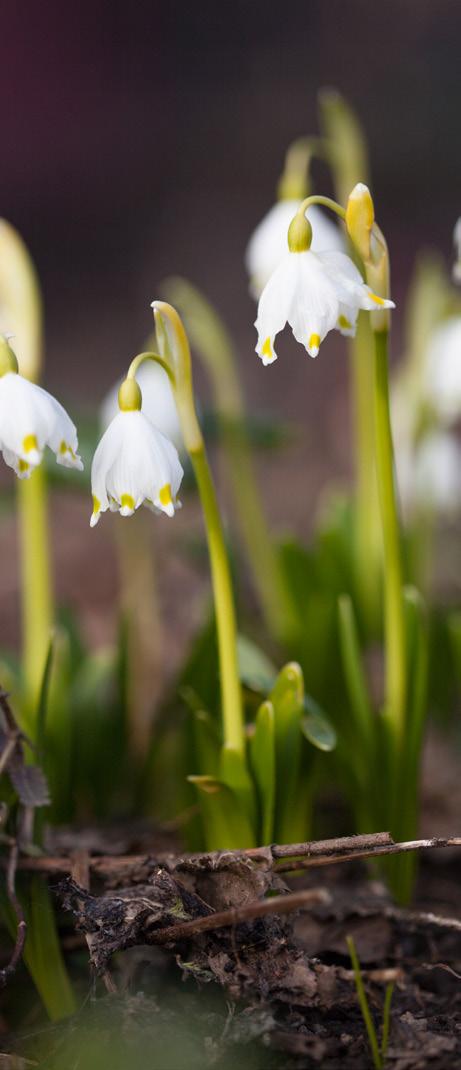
{"points": [[158, 402], [314, 293], [30, 419], [134, 464], [429, 473], [268, 243], [442, 370]]}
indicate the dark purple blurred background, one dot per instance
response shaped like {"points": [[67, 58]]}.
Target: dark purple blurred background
{"points": [[144, 138]]}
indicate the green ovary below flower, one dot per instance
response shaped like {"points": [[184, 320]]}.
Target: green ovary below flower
{"points": [[134, 464], [268, 244], [315, 293], [30, 420]]}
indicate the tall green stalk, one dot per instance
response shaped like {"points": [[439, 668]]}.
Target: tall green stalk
{"points": [[346, 151], [393, 575], [214, 346], [36, 590], [175, 358], [21, 314], [224, 606]]}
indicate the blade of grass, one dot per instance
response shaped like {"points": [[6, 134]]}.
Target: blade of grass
{"points": [[262, 754], [364, 1006]]}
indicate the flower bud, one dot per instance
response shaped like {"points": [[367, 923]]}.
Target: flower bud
{"points": [[129, 396], [360, 216], [299, 234]]}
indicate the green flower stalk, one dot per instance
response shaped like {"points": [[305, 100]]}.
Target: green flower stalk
{"points": [[213, 344], [371, 245], [21, 315], [135, 463], [173, 341], [346, 151]]}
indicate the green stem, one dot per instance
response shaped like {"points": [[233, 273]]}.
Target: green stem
{"points": [[140, 612], [367, 534], [175, 359], [37, 602], [393, 600], [214, 346], [232, 712], [325, 202]]}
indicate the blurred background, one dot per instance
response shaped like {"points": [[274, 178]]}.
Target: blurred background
{"points": [[141, 139]]}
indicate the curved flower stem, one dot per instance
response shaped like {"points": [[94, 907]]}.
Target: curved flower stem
{"points": [[294, 182], [175, 360], [393, 601], [325, 202]]}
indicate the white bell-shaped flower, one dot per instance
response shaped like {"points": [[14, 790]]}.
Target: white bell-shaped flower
{"points": [[268, 243], [314, 293], [134, 463], [158, 402], [30, 419], [429, 473], [442, 370]]}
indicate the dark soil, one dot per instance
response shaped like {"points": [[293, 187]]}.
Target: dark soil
{"points": [[269, 991]]}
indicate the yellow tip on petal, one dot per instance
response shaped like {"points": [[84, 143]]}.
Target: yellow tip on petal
{"points": [[165, 495], [127, 502], [344, 323], [29, 443], [376, 299], [267, 351], [314, 343], [65, 448], [23, 466]]}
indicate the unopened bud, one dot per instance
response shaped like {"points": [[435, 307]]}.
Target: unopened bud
{"points": [[360, 216]]}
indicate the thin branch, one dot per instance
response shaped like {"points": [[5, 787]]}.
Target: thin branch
{"points": [[284, 858], [224, 919]]}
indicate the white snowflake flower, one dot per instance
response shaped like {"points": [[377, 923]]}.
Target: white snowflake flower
{"points": [[134, 464], [30, 419], [442, 370], [268, 244], [429, 473], [158, 402], [314, 293]]}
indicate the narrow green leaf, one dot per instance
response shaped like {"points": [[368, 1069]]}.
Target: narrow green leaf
{"points": [[44, 695], [207, 742], [404, 825], [316, 727], [226, 824], [43, 954], [287, 698], [256, 670], [262, 753], [233, 771], [353, 669]]}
